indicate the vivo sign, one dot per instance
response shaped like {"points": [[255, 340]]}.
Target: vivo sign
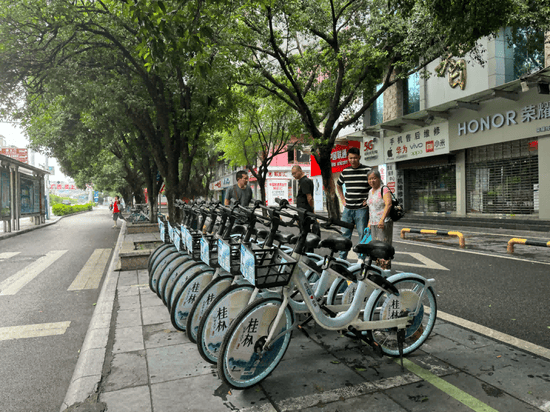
{"points": [[486, 123]]}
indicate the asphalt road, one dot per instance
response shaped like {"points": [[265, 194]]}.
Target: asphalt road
{"points": [[43, 324]]}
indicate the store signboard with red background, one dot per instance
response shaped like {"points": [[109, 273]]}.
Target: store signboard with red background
{"points": [[338, 158]]}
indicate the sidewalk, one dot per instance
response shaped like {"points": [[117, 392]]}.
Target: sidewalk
{"points": [[134, 360], [25, 225]]}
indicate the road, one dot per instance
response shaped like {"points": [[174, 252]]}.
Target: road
{"points": [[50, 279], [504, 293]]}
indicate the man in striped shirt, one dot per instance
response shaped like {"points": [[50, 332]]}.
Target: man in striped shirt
{"points": [[355, 198]]}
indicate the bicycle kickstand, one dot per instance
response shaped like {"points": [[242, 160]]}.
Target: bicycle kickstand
{"points": [[400, 341]]}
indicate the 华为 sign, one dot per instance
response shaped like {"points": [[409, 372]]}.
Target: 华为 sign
{"points": [[414, 144]]}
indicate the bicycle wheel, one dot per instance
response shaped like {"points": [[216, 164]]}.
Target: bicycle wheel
{"points": [[165, 275], [187, 296], [159, 258], [244, 361], [217, 318], [172, 279], [188, 270], [206, 297], [387, 306], [155, 253], [154, 277]]}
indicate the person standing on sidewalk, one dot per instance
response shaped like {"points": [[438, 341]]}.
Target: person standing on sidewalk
{"points": [[380, 202], [355, 199], [117, 214], [304, 199], [240, 191]]}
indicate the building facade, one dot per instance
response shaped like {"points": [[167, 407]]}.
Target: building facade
{"points": [[475, 141]]}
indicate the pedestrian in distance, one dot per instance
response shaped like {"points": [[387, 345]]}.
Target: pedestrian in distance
{"points": [[304, 199], [357, 187], [380, 202], [117, 214], [240, 191]]}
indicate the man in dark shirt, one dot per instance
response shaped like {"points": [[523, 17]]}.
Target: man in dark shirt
{"points": [[355, 198], [241, 191], [304, 199]]}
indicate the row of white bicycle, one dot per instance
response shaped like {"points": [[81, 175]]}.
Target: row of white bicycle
{"points": [[235, 289]]}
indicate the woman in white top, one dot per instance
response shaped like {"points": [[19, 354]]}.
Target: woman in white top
{"points": [[380, 202]]}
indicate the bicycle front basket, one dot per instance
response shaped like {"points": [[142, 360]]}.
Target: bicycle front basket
{"points": [[272, 268]]}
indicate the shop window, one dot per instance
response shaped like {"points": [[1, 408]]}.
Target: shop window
{"points": [[431, 188], [503, 178], [377, 109], [527, 47], [297, 156], [411, 94]]}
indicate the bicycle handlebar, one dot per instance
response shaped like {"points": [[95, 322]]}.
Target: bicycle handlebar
{"points": [[329, 221]]}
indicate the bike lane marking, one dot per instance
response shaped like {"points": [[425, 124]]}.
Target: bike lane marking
{"points": [[16, 282], [427, 263], [91, 273], [33, 331], [451, 390], [7, 255]]}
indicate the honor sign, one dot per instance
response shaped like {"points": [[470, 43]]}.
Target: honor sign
{"points": [[509, 118]]}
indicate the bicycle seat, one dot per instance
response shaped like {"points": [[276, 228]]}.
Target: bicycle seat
{"points": [[337, 243], [238, 230], [376, 249], [282, 238], [312, 241], [261, 233]]}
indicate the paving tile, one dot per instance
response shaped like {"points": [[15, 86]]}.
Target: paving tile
{"points": [[307, 376], [129, 302], [175, 362], [151, 299], [181, 395], [162, 334], [127, 278], [127, 290], [128, 318], [143, 277], [128, 400], [128, 339], [155, 314], [127, 370]]}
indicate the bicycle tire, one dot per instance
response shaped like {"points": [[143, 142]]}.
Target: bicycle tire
{"points": [[241, 365], [172, 279], [206, 297], [422, 325], [160, 255], [155, 253], [165, 275], [189, 269], [159, 270], [187, 296], [218, 317]]}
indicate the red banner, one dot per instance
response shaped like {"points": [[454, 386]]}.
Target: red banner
{"points": [[21, 155], [338, 158]]}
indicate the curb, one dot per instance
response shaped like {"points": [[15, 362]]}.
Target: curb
{"points": [[87, 374]]}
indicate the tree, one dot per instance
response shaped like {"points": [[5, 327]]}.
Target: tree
{"points": [[173, 104], [324, 58], [263, 130]]}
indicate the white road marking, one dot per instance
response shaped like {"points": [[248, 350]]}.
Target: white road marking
{"points": [[472, 252], [7, 255], [426, 262], [16, 282], [482, 330], [33, 331], [92, 272]]}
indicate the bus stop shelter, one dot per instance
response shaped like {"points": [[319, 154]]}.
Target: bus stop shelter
{"points": [[22, 193]]}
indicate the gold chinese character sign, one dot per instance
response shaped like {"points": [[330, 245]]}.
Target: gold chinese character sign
{"points": [[456, 70]]}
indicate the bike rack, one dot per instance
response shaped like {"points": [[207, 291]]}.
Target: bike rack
{"points": [[528, 242], [459, 235]]}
